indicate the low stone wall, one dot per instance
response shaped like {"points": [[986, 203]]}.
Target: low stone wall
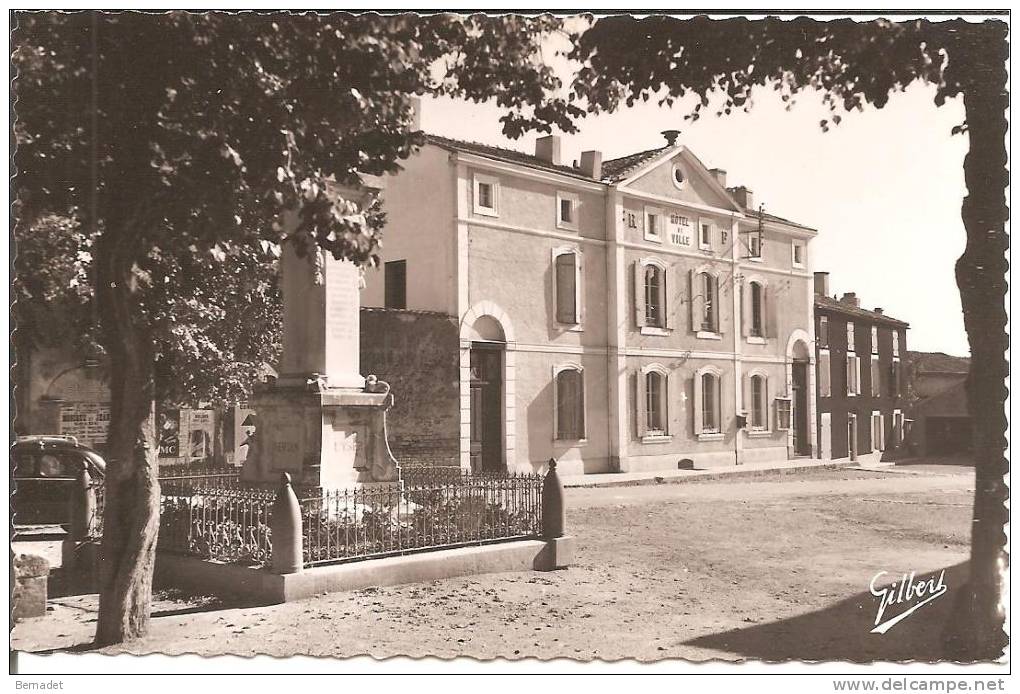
{"points": [[31, 576], [263, 586]]}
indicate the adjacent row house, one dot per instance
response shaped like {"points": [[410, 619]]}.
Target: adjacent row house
{"points": [[860, 377], [622, 315]]}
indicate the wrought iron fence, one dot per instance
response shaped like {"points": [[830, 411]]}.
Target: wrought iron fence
{"points": [[95, 525], [389, 519], [181, 477], [428, 474], [227, 525]]}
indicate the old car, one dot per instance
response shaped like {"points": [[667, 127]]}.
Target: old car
{"points": [[45, 471]]}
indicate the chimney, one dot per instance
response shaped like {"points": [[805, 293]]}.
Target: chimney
{"points": [[850, 299], [744, 197], [591, 164], [878, 310], [720, 176], [671, 136], [822, 283], [415, 102], [548, 149]]}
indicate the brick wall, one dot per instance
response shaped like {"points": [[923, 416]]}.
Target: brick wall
{"points": [[417, 353]]}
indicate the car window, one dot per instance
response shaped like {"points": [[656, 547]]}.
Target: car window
{"points": [[24, 465], [52, 464]]}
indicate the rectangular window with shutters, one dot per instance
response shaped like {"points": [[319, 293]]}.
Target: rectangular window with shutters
{"points": [[823, 331], [395, 284], [655, 404], [897, 427], [874, 339], [876, 377], [570, 405], [894, 378], [850, 344], [853, 374], [567, 295], [877, 432], [709, 403], [896, 343], [824, 374]]}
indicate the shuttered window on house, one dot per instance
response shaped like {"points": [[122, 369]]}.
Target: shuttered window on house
{"points": [[824, 375], [654, 290], [395, 281], [566, 288], [655, 400], [709, 403], [570, 404]]}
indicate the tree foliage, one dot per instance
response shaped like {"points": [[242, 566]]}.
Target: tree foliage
{"points": [[178, 143], [855, 65], [852, 64]]}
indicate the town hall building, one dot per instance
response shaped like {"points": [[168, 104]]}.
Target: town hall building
{"points": [[624, 315]]}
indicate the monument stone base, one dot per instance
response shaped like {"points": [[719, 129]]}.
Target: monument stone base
{"points": [[326, 438]]}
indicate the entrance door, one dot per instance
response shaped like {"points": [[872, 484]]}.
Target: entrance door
{"points": [[486, 408], [851, 435], [801, 438]]}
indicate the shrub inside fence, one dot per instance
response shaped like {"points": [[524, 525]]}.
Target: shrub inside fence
{"points": [[226, 525], [390, 519], [234, 525]]}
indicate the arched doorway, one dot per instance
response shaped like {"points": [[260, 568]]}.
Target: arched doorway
{"points": [[486, 351], [799, 365]]}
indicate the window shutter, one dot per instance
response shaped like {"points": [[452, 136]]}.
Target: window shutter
{"points": [[698, 401], [849, 380], [745, 309], [566, 288], [667, 400], [824, 375], [582, 431], [768, 317], [579, 287], [640, 406], [697, 301], [639, 295], [664, 287], [717, 313]]}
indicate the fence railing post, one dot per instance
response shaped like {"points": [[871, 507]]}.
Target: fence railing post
{"points": [[554, 512], [82, 507], [285, 526]]}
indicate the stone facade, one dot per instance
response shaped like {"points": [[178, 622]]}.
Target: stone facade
{"points": [[567, 347], [416, 353]]}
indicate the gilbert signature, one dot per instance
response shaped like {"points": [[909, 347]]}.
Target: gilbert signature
{"points": [[915, 594]]}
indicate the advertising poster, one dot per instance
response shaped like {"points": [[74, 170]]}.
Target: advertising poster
{"points": [[169, 434], [88, 422], [201, 427]]}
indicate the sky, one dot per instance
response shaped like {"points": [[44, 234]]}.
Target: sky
{"points": [[883, 188]]}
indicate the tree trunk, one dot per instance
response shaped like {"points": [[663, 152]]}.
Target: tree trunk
{"points": [[131, 522], [977, 626]]}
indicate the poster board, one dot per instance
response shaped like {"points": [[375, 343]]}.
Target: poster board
{"points": [[88, 422]]}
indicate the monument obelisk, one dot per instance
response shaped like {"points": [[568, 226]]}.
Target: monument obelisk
{"points": [[321, 420]]}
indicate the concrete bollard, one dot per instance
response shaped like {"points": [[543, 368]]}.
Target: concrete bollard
{"points": [[554, 511], [286, 530], [82, 507]]}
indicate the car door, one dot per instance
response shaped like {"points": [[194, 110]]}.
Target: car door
{"points": [[44, 481]]}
